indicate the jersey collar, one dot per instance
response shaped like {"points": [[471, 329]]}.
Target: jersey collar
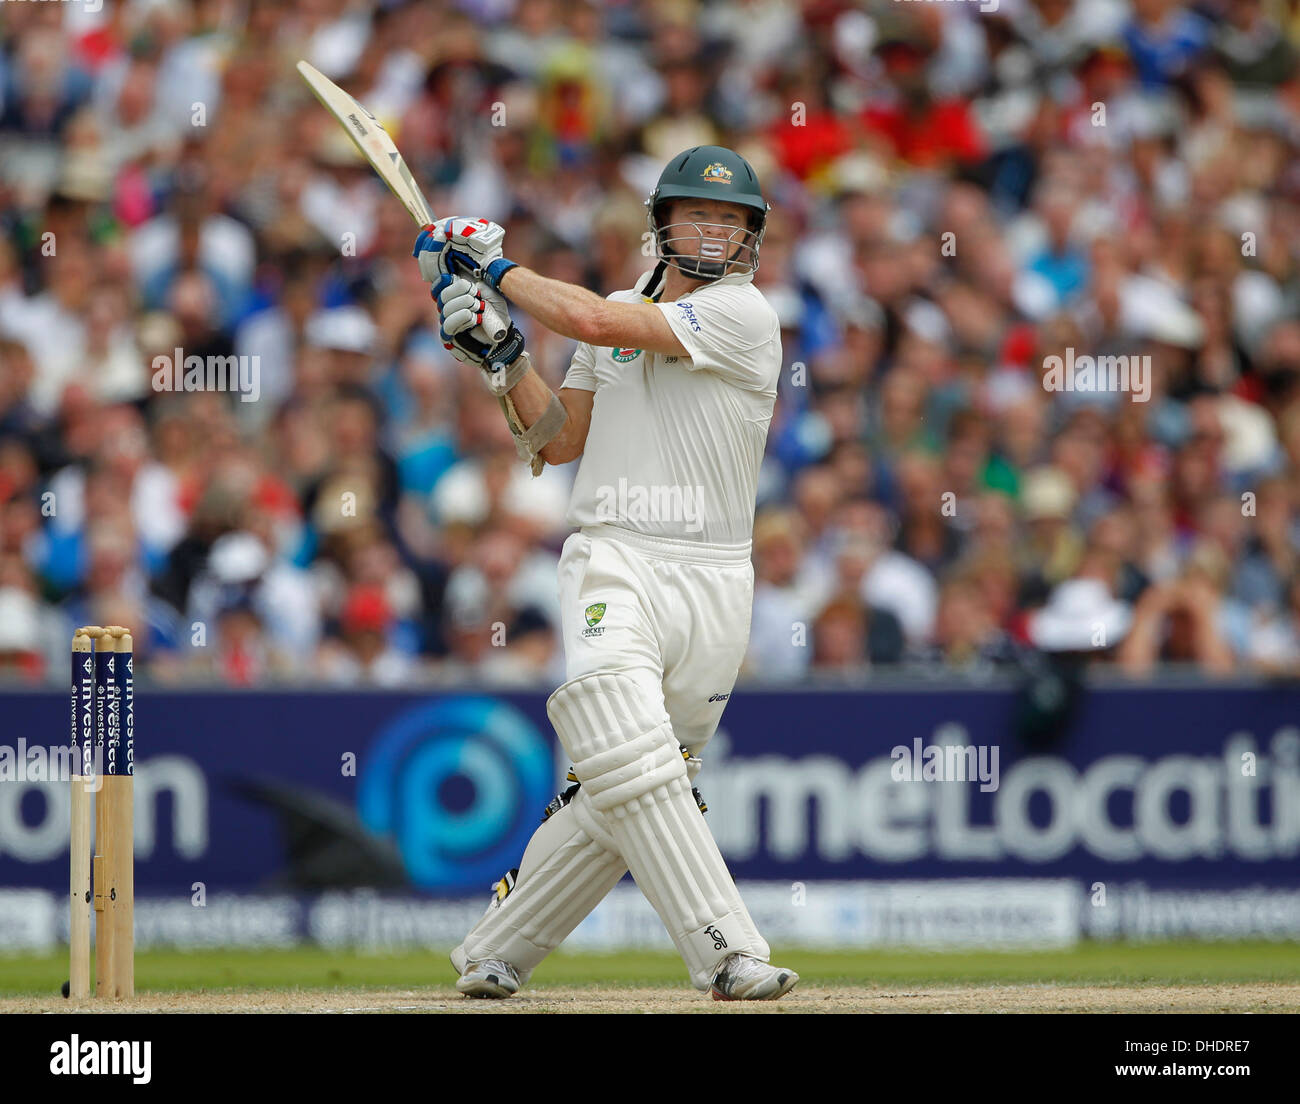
{"points": [[650, 285]]}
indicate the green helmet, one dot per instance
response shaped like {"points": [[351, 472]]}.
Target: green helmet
{"points": [[708, 172]]}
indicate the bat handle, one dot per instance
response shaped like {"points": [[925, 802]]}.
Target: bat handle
{"points": [[494, 326]]}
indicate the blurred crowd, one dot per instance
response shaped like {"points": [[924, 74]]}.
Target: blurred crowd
{"points": [[960, 191]]}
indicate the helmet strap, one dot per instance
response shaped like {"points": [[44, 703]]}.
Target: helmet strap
{"points": [[655, 285]]}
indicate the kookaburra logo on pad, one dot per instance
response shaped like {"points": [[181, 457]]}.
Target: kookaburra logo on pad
{"points": [[719, 941]]}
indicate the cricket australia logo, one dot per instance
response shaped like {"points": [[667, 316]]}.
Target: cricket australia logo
{"points": [[624, 355], [717, 173], [594, 614]]}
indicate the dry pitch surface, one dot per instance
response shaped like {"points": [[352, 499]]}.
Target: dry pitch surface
{"points": [[1243, 997], [1092, 977]]}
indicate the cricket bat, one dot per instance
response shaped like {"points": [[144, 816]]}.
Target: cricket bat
{"points": [[379, 149]]}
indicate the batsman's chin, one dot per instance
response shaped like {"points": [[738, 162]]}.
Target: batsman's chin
{"points": [[704, 269]]}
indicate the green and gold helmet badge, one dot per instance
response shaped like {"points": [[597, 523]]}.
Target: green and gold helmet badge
{"points": [[595, 612]]}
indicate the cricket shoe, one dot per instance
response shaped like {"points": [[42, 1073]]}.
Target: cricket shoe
{"points": [[741, 977], [489, 978]]}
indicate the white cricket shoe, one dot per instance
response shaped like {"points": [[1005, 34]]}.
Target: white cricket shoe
{"points": [[489, 978], [741, 977]]}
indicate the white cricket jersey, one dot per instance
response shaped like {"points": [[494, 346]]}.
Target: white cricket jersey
{"points": [[675, 443]]}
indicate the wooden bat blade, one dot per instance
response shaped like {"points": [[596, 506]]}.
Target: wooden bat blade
{"points": [[372, 140], [379, 149]]}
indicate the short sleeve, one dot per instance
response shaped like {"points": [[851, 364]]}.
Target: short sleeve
{"points": [[582, 369], [730, 330]]}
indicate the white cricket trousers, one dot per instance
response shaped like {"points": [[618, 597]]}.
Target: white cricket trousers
{"points": [[675, 616], [672, 608]]}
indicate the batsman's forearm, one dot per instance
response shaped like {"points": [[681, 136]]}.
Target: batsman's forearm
{"points": [[531, 397], [566, 309]]}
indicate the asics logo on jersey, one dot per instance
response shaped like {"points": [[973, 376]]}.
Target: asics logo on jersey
{"points": [[689, 311], [719, 697]]}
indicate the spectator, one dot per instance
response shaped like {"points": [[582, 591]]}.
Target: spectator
{"points": [[779, 628], [966, 631], [1181, 622], [950, 209], [1275, 648], [362, 651]]}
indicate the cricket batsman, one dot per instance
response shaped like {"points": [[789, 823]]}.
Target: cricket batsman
{"points": [[667, 401]]}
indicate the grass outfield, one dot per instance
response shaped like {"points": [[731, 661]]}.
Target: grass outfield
{"points": [[1093, 964]]}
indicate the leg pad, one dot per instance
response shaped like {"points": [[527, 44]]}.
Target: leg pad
{"points": [[614, 726]]}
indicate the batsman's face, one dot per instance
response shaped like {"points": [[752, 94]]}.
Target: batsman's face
{"points": [[722, 226], [709, 214]]}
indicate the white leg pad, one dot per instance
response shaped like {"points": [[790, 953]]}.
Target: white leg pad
{"points": [[621, 742], [568, 868]]}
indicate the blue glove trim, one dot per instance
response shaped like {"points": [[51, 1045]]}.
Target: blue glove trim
{"points": [[495, 270], [425, 241], [453, 259], [438, 287]]}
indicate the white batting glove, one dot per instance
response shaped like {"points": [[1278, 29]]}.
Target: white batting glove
{"points": [[462, 302], [471, 244], [460, 311]]}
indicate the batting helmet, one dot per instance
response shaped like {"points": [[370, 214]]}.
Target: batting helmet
{"points": [[708, 172]]}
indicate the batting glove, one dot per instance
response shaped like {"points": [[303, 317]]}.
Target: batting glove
{"points": [[462, 303], [463, 246], [503, 365], [460, 308]]}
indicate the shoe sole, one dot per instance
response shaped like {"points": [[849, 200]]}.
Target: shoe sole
{"points": [[786, 980], [489, 986]]}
